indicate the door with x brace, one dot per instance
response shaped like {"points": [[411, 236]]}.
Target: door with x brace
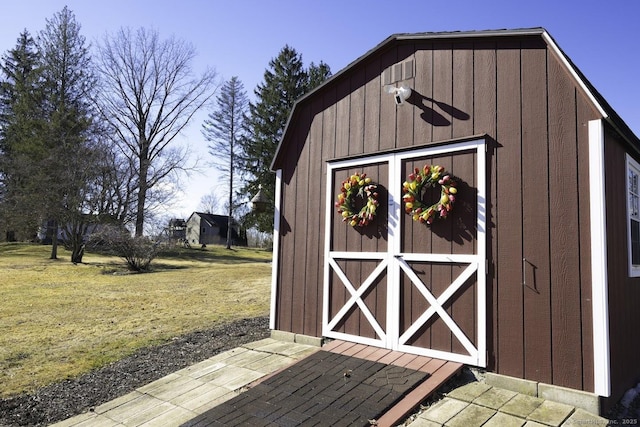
{"points": [[399, 284]]}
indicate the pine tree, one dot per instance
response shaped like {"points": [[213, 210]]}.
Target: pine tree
{"points": [[21, 137], [285, 81], [223, 130], [54, 165], [69, 89], [317, 75], [18, 93]]}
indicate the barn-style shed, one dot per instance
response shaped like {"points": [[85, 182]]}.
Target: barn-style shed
{"points": [[533, 274]]}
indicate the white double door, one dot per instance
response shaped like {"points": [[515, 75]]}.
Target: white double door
{"points": [[402, 285]]}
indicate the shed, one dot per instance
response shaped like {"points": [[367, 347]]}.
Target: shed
{"points": [[535, 272], [206, 228]]}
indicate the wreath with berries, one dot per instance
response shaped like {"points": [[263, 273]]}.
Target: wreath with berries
{"points": [[429, 176], [358, 185]]}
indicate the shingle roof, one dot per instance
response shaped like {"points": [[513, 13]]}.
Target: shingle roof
{"points": [[214, 220]]}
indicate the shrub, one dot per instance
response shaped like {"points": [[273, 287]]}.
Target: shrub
{"points": [[138, 252]]}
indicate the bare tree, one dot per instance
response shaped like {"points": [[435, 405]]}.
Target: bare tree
{"points": [[116, 186], [149, 95], [210, 203], [223, 129]]}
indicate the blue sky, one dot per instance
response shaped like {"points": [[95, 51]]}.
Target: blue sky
{"points": [[239, 37]]}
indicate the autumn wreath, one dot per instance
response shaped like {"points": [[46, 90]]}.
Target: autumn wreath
{"points": [[430, 176], [358, 185]]}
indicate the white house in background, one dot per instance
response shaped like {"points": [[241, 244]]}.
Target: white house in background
{"points": [[206, 229]]}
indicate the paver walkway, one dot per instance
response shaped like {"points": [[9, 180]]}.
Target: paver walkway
{"points": [[185, 394], [341, 381], [478, 404]]}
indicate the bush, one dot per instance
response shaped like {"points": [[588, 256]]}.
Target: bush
{"points": [[138, 252]]}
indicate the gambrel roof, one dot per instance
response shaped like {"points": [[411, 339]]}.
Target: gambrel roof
{"points": [[597, 100]]}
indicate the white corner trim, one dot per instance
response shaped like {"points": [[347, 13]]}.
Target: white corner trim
{"points": [[599, 286], [276, 250], [327, 249]]}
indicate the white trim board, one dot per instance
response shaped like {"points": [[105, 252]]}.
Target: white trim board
{"points": [[572, 70], [275, 251], [599, 285]]}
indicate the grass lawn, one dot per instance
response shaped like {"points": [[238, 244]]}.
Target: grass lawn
{"points": [[59, 320]]}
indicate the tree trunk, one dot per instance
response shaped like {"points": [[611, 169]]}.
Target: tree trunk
{"points": [[76, 236], [54, 241], [230, 219], [77, 253], [142, 193], [75, 231]]}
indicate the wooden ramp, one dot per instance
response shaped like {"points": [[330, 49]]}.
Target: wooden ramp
{"points": [[439, 372], [344, 384]]}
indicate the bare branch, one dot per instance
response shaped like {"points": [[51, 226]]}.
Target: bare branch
{"points": [[150, 94]]}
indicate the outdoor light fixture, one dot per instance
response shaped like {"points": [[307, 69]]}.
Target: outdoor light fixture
{"points": [[400, 94]]}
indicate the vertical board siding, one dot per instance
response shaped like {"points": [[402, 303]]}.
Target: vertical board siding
{"points": [[535, 216], [566, 305], [372, 99], [387, 123], [423, 113], [483, 117], [287, 284], [585, 113], [533, 113], [301, 223], [343, 116], [508, 214], [463, 90], [619, 284], [405, 112], [442, 91], [316, 215], [624, 291], [358, 101]]}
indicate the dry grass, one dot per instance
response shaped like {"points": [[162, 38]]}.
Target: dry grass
{"points": [[59, 320]]}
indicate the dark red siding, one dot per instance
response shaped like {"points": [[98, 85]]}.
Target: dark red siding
{"points": [[624, 291], [534, 115]]}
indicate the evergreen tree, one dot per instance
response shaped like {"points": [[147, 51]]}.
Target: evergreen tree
{"points": [[317, 75], [285, 81], [21, 137], [55, 167], [223, 130], [69, 90], [18, 94]]}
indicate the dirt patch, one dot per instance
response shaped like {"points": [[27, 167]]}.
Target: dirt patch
{"points": [[65, 399]]}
